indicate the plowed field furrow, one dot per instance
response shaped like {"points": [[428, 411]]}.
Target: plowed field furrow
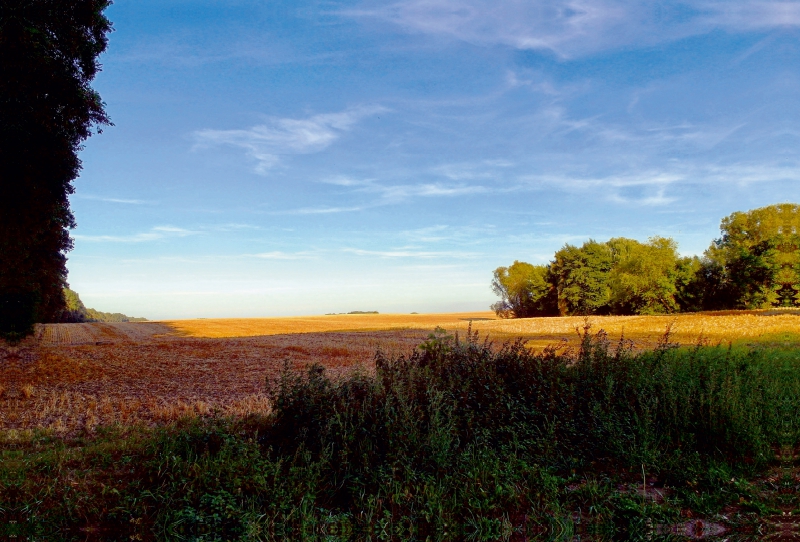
{"points": [[92, 333], [63, 334]]}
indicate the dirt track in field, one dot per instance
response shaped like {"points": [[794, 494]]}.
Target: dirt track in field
{"points": [[74, 377]]}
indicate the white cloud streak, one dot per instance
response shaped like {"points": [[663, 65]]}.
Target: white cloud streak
{"points": [[658, 199], [753, 14], [644, 179], [396, 193], [115, 200], [649, 188], [386, 194], [571, 28], [411, 253], [155, 234], [266, 143], [319, 210], [279, 255]]}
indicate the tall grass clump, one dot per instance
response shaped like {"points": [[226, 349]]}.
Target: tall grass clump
{"points": [[464, 439], [566, 410]]}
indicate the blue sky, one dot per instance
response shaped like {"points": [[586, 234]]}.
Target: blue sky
{"points": [[304, 157]]}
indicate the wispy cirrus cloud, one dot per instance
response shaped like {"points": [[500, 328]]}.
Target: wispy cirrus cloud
{"points": [[571, 28], [192, 49], [430, 234], [558, 124], [233, 227], [485, 170], [319, 210], [411, 253], [384, 194], [647, 188], [744, 174], [266, 143], [155, 234], [389, 193], [462, 235], [280, 255], [657, 199], [109, 199], [651, 187], [402, 192], [752, 14], [645, 178]]}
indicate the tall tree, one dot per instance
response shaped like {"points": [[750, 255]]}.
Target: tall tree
{"points": [[756, 261], [690, 285], [581, 278], [643, 279], [48, 57], [524, 291]]}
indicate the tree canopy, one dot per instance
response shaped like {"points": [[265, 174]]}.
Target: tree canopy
{"points": [[580, 277], [524, 291], [756, 261], [76, 311], [48, 57], [754, 264], [643, 276]]}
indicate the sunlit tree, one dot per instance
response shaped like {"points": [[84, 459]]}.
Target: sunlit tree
{"points": [[524, 291], [643, 279], [756, 261], [580, 276]]}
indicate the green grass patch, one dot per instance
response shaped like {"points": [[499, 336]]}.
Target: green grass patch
{"points": [[775, 341]]}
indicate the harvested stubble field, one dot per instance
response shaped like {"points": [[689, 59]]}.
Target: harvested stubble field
{"points": [[71, 378]]}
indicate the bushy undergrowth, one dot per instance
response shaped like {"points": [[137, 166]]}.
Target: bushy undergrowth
{"points": [[459, 440]]}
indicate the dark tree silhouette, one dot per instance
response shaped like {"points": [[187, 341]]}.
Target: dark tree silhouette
{"points": [[48, 58]]}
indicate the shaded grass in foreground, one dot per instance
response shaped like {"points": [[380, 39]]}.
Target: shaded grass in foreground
{"points": [[456, 441]]}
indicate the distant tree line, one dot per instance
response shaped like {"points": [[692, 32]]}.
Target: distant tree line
{"points": [[77, 312], [754, 264], [351, 312]]}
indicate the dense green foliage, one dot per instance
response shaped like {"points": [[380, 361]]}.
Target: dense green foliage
{"points": [[524, 290], [48, 57], [644, 277], [458, 441], [580, 277], [76, 311], [756, 261], [754, 264]]}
